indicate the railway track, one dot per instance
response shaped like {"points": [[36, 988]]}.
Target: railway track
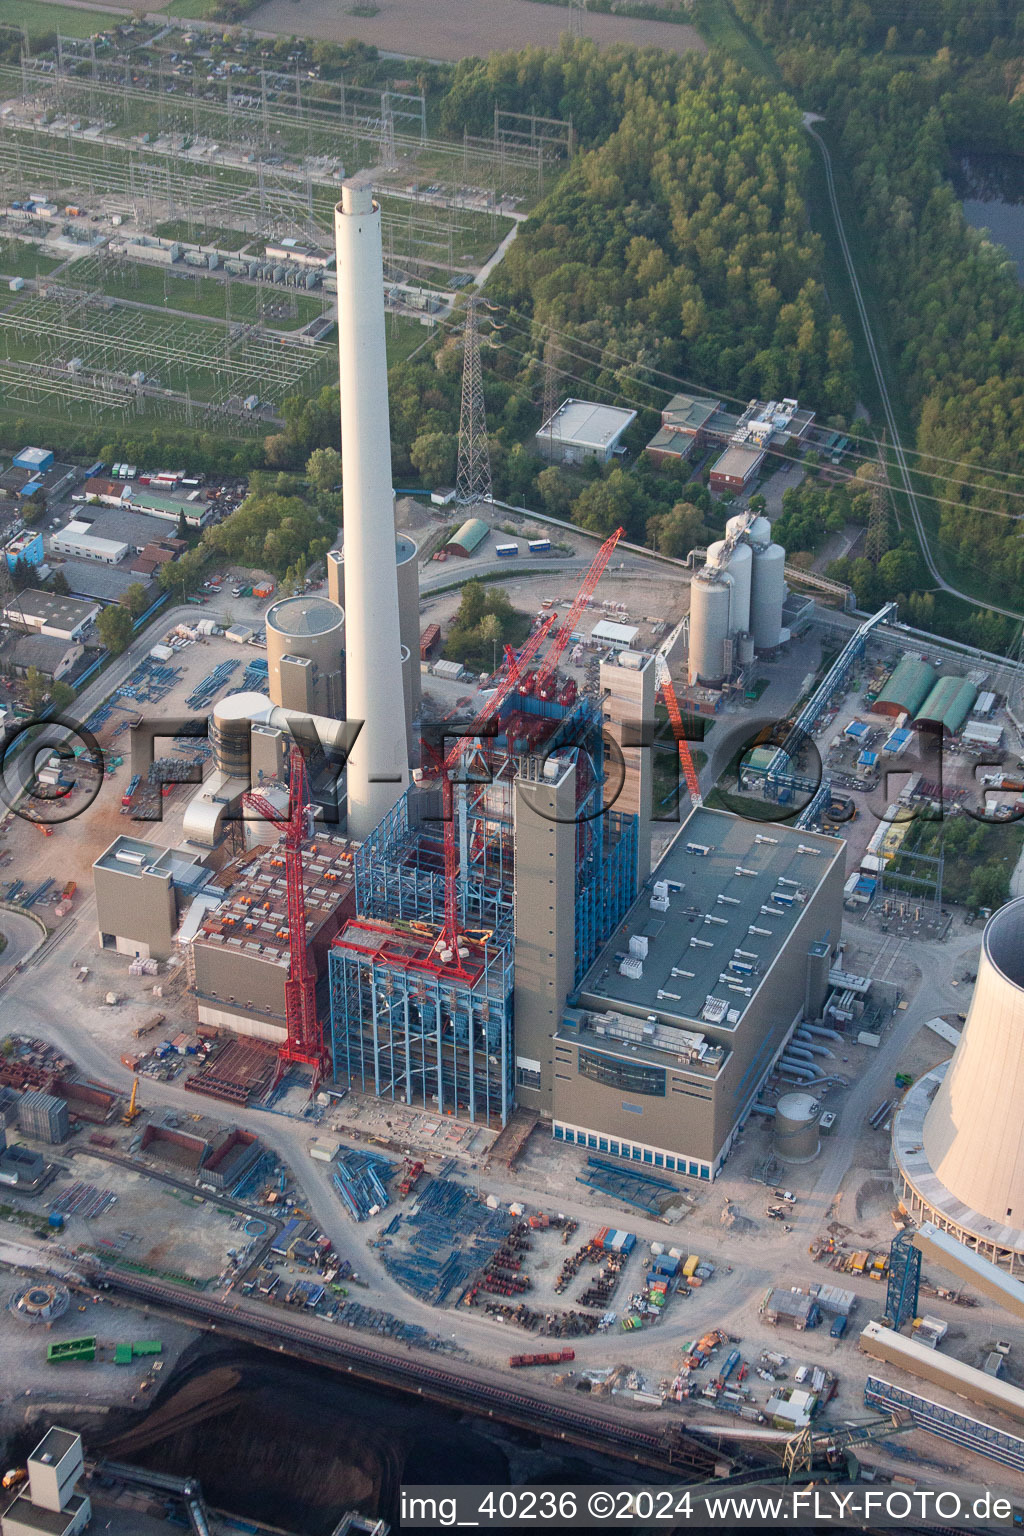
{"points": [[674, 1450]]}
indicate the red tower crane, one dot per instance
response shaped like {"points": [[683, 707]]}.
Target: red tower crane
{"points": [[546, 674], [668, 693], [447, 945], [305, 1039]]}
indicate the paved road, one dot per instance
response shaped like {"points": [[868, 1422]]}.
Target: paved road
{"points": [[883, 389]]}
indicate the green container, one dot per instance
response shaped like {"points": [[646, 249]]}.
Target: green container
{"points": [[122, 1354]]}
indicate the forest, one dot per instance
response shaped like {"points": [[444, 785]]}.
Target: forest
{"points": [[949, 78]]}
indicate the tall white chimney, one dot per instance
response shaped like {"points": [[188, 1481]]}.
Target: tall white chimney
{"points": [[378, 767]]}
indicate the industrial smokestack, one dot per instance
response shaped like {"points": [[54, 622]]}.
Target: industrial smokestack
{"points": [[378, 768], [974, 1132]]}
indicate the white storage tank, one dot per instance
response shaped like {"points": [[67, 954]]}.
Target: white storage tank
{"points": [[710, 601], [767, 595], [796, 1127], [736, 562], [744, 648]]}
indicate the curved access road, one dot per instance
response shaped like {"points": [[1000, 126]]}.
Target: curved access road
{"points": [[810, 118]]}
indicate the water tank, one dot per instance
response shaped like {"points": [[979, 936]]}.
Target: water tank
{"points": [[767, 595], [737, 563], [796, 1127], [710, 600], [229, 731], [310, 630]]}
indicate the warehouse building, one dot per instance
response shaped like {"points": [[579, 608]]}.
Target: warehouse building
{"points": [[736, 468], [53, 659], [467, 539], [680, 1019], [948, 705], [141, 894], [79, 541], [907, 688], [581, 429], [66, 618]]}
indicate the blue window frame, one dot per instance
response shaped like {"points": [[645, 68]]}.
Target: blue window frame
{"points": [[659, 1161], [602, 1144], [559, 1133]]}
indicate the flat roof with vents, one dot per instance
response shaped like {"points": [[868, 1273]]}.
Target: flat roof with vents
{"points": [[778, 876]]}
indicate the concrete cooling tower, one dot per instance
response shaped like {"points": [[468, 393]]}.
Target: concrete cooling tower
{"points": [[958, 1138]]}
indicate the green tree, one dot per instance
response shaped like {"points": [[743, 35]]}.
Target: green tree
{"points": [[137, 599], [115, 628], [58, 584], [36, 684], [181, 531], [323, 469], [433, 455]]}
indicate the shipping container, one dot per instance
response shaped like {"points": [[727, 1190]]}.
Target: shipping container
{"points": [[539, 546], [506, 551]]}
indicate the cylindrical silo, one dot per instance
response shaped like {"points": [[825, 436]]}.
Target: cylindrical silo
{"points": [[710, 599], [759, 532], [744, 648], [305, 636], [229, 731], [767, 595], [736, 561], [796, 1127], [973, 1133]]}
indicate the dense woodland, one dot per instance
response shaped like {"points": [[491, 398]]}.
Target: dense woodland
{"points": [[948, 77]]}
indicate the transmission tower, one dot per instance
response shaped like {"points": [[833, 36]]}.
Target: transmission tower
{"points": [[552, 358], [473, 480], [388, 157], [876, 541], [576, 13]]}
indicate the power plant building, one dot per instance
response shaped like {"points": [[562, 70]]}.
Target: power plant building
{"points": [[141, 892], [673, 1030], [238, 958], [533, 844], [958, 1136]]}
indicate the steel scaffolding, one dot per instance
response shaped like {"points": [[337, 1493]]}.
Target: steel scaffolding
{"points": [[402, 1025]]}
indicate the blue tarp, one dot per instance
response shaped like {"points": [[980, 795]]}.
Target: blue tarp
{"points": [[857, 729], [867, 759]]}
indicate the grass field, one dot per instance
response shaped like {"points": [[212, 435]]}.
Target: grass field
{"points": [[40, 18], [721, 28], [20, 260]]}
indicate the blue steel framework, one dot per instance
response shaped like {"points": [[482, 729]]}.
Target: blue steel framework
{"points": [[904, 1284], [403, 1027], [950, 1423]]}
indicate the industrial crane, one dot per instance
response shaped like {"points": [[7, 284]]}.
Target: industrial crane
{"points": [[668, 693], [546, 675], [304, 1043], [446, 948], [133, 1111], [812, 1448]]}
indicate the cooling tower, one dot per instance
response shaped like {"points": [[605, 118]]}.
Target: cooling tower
{"points": [[974, 1130], [710, 600], [736, 562], [767, 595], [378, 767]]}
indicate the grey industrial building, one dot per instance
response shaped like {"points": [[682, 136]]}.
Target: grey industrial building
{"points": [[141, 891], [678, 1022], [49, 1503], [66, 618]]}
